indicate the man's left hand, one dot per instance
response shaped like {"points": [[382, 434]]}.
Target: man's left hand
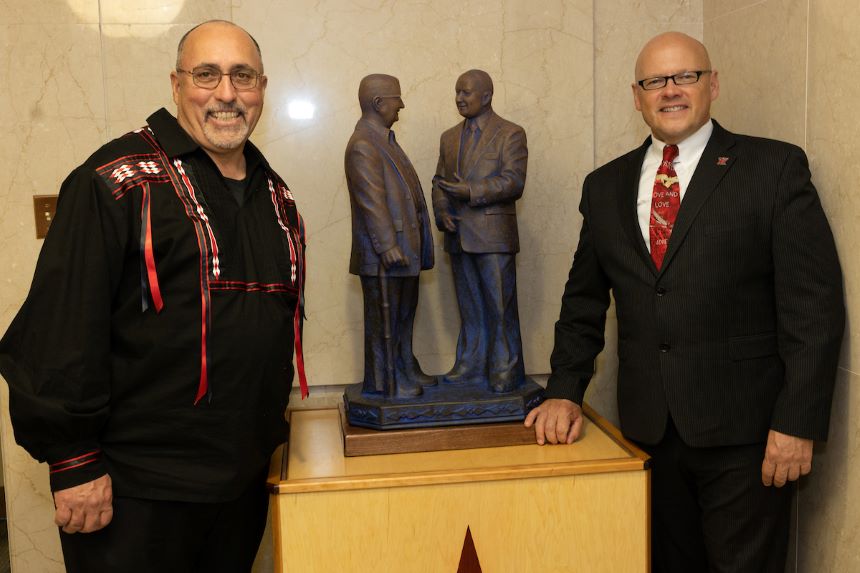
{"points": [[786, 458], [456, 189]]}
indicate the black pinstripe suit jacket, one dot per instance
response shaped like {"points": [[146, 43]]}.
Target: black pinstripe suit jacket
{"points": [[740, 329]]}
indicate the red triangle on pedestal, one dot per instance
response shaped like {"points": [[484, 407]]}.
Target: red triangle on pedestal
{"points": [[469, 557]]}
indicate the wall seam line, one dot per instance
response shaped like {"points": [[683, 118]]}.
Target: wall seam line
{"points": [[103, 61]]}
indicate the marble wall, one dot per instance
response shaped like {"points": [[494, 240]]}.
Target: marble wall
{"points": [[79, 72], [795, 78]]}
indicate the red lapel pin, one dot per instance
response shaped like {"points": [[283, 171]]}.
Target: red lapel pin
{"points": [[722, 160]]}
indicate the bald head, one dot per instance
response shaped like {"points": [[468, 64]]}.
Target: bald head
{"points": [[376, 85], [670, 42], [480, 79], [681, 105], [474, 93], [214, 23], [379, 97]]}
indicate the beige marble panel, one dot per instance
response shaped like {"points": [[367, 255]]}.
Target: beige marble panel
{"points": [[620, 31], [833, 144], [828, 527], [763, 80], [185, 13], [137, 72], [717, 8], [52, 117], [50, 11], [540, 60], [829, 516]]}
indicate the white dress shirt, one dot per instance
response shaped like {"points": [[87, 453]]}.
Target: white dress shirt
{"points": [[689, 152]]}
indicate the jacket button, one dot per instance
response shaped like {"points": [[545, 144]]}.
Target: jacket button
{"points": [[664, 348], [661, 291]]}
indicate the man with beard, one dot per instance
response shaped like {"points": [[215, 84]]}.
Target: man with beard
{"points": [[151, 363]]}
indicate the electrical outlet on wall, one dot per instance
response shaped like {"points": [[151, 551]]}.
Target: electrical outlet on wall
{"points": [[44, 208]]}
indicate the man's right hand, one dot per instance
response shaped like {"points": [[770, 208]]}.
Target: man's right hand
{"points": [[394, 257], [84, 508], [448, 222], [556, 421]]}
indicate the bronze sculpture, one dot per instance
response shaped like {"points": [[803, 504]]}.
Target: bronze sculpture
{"points": [[480, 175], [391, 240]]}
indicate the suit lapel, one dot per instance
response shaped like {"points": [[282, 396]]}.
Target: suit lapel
{"points": [[628, 191], [383, 146], [455, 145], [715, 162]]}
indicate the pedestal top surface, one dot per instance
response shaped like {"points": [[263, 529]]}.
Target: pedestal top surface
{"points": [[315, 460]]}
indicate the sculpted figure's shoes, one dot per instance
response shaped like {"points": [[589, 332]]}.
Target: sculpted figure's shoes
{"points": [[460, 374], [504, 382], [417, 375], [408, 388]]}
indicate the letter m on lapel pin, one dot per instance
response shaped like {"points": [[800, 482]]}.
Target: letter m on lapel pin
{"points": [[722, 160]]}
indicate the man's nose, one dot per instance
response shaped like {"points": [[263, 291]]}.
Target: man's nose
{"points": [[225, 91], [671, 89]]}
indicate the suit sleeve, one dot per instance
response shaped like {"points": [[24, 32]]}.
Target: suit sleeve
{"points": [[507, 185], [365, 172], [809, 303], [579, 332], [441, 203], [56, 354]]}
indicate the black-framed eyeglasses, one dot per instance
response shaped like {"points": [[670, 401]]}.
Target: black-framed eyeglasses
{"points": [[680, 79], [208, 77]]}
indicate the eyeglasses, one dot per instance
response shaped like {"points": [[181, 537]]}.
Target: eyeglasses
{"points": [[208, 77], [680, 79]]}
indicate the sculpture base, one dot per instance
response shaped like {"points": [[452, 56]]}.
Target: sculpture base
{"points": [[441, 405]]}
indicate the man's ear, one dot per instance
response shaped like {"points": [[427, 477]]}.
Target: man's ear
{"points": [[376, 103], [486, 98], [174, 84]]}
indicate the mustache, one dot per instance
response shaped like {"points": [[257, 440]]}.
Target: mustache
{"points": [[237, 107]]}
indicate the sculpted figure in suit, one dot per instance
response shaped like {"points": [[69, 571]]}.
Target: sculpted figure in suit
{"points": [[480, 175], [391, 239], [730, 317]]}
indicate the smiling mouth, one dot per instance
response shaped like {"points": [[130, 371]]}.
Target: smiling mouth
{"points": [[673, 108], [225, 115]]}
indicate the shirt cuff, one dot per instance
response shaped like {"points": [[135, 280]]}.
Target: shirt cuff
{"points": [[76, 470]]}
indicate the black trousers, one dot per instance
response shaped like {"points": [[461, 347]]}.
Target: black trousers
{"points": [[710, 512], [151, 536]]}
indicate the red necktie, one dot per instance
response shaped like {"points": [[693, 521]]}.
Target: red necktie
{"points": [[665, 202]]}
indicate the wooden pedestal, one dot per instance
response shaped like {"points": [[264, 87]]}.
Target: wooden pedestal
{"points": [[582, 507]]}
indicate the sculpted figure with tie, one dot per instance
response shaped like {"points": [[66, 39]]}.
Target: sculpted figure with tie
{"points": [[728, 296], [480, 175], [391, 240]]}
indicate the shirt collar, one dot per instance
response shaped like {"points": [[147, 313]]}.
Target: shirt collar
{"points": [[377, 128], [693, 146], [176, 142], [480, 120]]}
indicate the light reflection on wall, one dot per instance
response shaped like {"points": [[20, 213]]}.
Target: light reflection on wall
{"points": [[139, 13], [301, 109]]}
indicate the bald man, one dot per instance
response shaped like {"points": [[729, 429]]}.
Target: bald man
{"points": [[391, 240], [480, 175], [151, 363], [729, 300]]}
